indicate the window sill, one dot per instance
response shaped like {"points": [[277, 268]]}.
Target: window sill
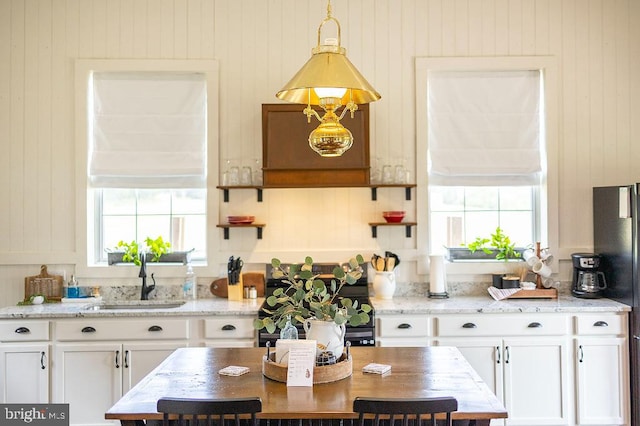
{"points": [[474, 267]]}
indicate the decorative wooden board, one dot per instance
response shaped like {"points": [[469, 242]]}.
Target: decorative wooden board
{"points": [[538, 293], [50, 286], [323, 374]]}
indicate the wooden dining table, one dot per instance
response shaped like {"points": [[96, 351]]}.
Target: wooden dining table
{"points": [[422, 372]]}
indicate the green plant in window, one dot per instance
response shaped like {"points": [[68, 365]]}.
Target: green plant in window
{"points": [[157, 247], [498, 243], [132, 251]]}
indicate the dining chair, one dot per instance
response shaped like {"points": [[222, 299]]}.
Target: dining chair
{"points": [[210, 412], [387, 411]]}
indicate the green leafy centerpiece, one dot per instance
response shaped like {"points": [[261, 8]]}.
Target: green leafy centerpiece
{"points": [[308, 297]]}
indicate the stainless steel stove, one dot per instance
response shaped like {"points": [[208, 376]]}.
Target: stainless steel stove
{"points": [[361, 335]]}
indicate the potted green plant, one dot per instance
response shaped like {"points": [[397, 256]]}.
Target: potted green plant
{"points": [[497, 246], [316, 305], [499, 243], [159, 249], [308, 298]]}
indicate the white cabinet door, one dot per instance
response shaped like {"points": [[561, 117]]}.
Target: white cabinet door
{"points": [[88, 376], [536, 381], [140, 358], [485, 356], [528, 372], [91, 377], [25, 373], [602, 380]]}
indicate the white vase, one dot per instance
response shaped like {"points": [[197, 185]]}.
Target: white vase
{"points": [[328, 335], [384, 284]]}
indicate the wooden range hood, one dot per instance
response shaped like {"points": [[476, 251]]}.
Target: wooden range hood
{"points": [[289, 162]]}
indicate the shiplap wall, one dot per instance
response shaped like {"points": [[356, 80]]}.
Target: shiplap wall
{"points": [[260, 44]]}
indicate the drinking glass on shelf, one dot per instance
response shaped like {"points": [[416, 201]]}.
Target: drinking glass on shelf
{"points": [[245, 176], [257, 172], [374, 171], [400, 174], [231, 175], [234, 176], [387, 174]]}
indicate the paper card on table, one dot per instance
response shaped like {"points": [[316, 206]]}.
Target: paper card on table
{"points": [[282, 349], [302, 359], [376, 368], [233, 370]]}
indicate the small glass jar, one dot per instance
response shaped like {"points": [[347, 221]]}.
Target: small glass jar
{"points": [[289, 331]]}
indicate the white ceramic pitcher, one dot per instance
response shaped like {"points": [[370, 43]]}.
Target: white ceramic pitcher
{"points": [[384, 284], [328, 335]]}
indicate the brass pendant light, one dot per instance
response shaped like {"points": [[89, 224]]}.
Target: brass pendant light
{"points": [[330, 81]]}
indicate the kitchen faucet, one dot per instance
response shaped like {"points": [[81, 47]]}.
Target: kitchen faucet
{"points": [[144, 294]]}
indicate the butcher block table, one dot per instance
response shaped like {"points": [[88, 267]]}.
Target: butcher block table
{"points": [[415, 373]]}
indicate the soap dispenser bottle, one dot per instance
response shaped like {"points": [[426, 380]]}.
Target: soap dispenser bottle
{"points": [[73, 291], [190, 287]]}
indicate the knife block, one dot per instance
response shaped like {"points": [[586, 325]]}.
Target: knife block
{"points": [[235, 291]]}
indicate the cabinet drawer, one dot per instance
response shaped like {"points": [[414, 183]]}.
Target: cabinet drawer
{"points": [[139, 329], [402, 326], [601, 323], [24, 331], [226, 328], [503, 325]]}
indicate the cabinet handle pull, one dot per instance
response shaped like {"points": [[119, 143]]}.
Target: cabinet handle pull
{"points": [[155, 328], [469, 325], [117, 359], [497, 354], [42, 360], [507, 355], [228, 327], [404, 326], [580, 353], [88, 330], [22, 330], [535, 325], [126, 359], [600, 324]]}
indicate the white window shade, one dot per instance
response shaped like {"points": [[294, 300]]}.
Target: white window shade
{"points": [[484, 127], [148, 130]]}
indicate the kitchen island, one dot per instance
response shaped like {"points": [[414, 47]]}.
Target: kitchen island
{"points": [[415, 373]]}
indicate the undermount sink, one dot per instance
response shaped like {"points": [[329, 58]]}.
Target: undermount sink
{"points": [[140, 304]]}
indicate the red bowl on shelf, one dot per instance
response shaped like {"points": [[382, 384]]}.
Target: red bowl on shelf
{"points": [[240, 220], [393, 216]]}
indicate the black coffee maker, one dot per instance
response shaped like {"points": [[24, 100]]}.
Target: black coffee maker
{"points": [[588, 281]]}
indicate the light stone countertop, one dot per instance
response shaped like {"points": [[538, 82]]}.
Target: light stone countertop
{"points": [[486, 304], [395, 306], [200, 307]]}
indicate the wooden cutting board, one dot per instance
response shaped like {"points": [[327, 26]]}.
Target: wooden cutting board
{"points": [[50, 286], [219, 287]]}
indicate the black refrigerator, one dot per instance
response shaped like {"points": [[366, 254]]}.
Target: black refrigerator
{"points": [[616, 237]]}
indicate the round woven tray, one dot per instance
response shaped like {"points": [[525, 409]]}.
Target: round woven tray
{"points": [[323, 374]]}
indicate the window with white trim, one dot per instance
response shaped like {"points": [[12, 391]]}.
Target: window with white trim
{"points": [[486, 156], [147, 159]]}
